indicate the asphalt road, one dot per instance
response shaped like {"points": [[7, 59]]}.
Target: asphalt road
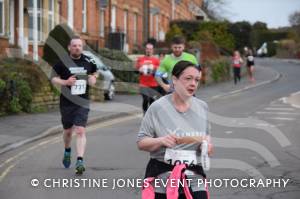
{"points": [[256, 137], [257, 134]]}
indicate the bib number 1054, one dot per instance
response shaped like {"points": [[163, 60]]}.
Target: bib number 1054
{"points": [[175, 157]]}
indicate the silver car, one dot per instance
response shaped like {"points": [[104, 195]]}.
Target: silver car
{"points": [[105, 72]]}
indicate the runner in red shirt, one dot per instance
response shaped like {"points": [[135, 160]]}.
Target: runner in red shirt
{"points": [[147, 66], [237, 61]]}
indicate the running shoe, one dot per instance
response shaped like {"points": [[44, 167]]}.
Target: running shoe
{"points": [[67, 159], [79, 167]]}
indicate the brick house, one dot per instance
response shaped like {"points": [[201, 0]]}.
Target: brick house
{"points": [[26, 23], [122, 24]]}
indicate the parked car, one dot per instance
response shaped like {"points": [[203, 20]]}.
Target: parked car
{"points": [[105, 72], [263, 50]]}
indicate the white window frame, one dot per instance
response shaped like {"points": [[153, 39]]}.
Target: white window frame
{"points": [[102, 22], [157, 27], [12, 22], [40, 19], [2, 17], [84, 16], [135, 25], [70, 13], [151, 25], [113, 23], [50, 14], [125, 21]]}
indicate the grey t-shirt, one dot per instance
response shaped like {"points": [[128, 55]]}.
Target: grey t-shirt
{"points": [[162, 119]]}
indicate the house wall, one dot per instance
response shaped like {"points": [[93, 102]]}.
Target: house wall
{"points": [[92, 35]]}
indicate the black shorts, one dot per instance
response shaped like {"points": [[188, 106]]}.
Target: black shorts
{"points": [[250, 63], [151, 92], [73, 115]]}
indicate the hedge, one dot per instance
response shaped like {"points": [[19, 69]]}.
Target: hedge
{"points": [[19, 79]]}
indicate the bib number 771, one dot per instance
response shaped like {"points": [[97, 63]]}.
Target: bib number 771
{"points": [[79, 88]]}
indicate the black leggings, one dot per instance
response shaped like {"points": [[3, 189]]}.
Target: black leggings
{"points": [[147, 101], [196, 195], [236, 74]]}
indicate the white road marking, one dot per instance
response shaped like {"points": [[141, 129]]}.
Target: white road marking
{"points": [[294, 94], [6, 171], [279, 109], [264, 125], [279, 105], [282, 118], [277, 113]]}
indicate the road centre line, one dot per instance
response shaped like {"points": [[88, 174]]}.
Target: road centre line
{"points": [[10, 167]]}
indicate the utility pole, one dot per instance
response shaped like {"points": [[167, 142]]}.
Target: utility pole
{"points": [[146, 8]]}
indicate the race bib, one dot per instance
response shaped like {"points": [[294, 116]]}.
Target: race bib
{"points": [[236, 62], [175, 157], [147, 69], [79, 88]]}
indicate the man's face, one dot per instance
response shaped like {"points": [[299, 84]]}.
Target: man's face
{"points": [[177, 49], [149, 50], [75, 48]]}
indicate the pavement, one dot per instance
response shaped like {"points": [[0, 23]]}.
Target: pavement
{"points": [[17, 130]]}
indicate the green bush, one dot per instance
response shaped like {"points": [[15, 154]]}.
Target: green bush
{"points": [[204, 36], [258, 37], [38, 109], [113, 54], [2, 85], [25, 95], [126, 76], [14, 105], [174, 31], [186, 28], [272, 49], [241, 32], [18, 95], [220, 69], [18, 80], [219, 32], [121, 65]]}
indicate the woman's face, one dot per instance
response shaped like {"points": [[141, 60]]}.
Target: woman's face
{"points": [[236, 53], [187, 83]]}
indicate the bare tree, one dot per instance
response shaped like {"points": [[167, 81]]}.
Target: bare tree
{"points": [[215, 9], [294, 18]]}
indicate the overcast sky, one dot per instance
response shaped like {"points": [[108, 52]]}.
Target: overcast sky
{"points": [[273, 12]]}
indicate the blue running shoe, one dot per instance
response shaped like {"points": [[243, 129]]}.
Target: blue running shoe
{"points": [[67, 159], [79, 167]]}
